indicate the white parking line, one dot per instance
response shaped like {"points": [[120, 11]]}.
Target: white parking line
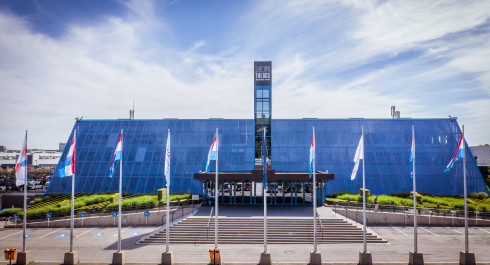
{"points": [[50, 233], [456, 230], [399, 230], [429, 231], [86, 232], [123, 230], [483, 230], [11, 234]]}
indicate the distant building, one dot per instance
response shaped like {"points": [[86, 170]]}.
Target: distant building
{"points": [[61, 147], [481, 154]]}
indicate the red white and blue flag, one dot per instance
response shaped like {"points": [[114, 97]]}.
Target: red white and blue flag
{"points": [[20, 166], [68, 166], [212, 152], [459, 154], [312, 154], [116, 156]]}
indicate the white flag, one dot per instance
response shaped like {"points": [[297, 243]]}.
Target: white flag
{"points": [[167, 161], [359, 155]]}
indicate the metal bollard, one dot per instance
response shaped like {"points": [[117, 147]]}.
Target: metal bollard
{"points": [[429, 212]]}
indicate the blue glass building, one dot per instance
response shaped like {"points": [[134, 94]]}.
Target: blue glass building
{"points": [[387, 151]]}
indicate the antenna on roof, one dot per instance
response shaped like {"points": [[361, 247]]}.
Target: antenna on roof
{"points": [[131, 112]]}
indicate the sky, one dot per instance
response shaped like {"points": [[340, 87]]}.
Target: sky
{"points": [[194, 59]]}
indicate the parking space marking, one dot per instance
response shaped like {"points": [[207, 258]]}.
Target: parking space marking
{"points": [[483, 230], [399, 230], [86, 232], [429, 231], [98, 235], [27, 235], [11, 234], [62, 235], [456, 230], [123, 230], [134, 233], [50, 233]]}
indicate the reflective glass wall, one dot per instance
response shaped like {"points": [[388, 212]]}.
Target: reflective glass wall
{"points": [[144, 153], [387, 150], [387, 144]]}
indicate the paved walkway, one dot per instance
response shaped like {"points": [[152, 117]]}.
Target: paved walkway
{"points": [[96, 244]]}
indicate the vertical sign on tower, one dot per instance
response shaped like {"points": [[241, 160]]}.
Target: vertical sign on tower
{"points": [[262, 108]]}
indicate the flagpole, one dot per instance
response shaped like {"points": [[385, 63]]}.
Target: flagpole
{"points": [[168, 205], [216, 195], [414, 195], [120, 198], [73, 192], [314, 193], [264, 184], [25, 201], [466, 247], [363, 193]]}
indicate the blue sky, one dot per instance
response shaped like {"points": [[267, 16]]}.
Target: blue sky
{"points": [[194, 59]]}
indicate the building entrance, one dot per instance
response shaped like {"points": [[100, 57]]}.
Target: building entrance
{"points": [[247, 188]]}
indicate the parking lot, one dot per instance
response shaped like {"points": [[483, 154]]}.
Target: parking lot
{"points": [[96, 244]]}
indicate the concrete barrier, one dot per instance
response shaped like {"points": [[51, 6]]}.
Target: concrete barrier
{"points": [[156, 218], [390, 218]]}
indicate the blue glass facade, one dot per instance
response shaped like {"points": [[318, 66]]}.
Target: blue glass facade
{"points": [[387, 148], [144, 153], [387, 152]]}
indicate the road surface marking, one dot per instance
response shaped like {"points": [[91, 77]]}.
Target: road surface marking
{"points": [[429, 231], [456, 230], [123, 230], [399, 230], [483, 230], [11, 234], [50, 233], [86, 232]]}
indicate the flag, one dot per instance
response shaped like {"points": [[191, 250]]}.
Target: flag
{"points": [[68, 166], [212, 152], [312, 154], [116, 156], [167, 161], [20, 166], [459, 154], [358, 156], [264, 161], [412, 155]]}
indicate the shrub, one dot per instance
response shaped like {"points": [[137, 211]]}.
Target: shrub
{"points": [[10, 211], [62, 203], [114, 198], [405, 195], [361, 192], [353, 197], [36, 200], [418, 197], [336, 194], [162, 194], [96, 199], [480, 196]]}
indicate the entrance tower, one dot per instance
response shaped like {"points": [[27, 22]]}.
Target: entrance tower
{"points": [[262, 108]]}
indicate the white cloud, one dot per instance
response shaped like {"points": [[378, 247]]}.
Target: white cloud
{"points": [[330, 60]]}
